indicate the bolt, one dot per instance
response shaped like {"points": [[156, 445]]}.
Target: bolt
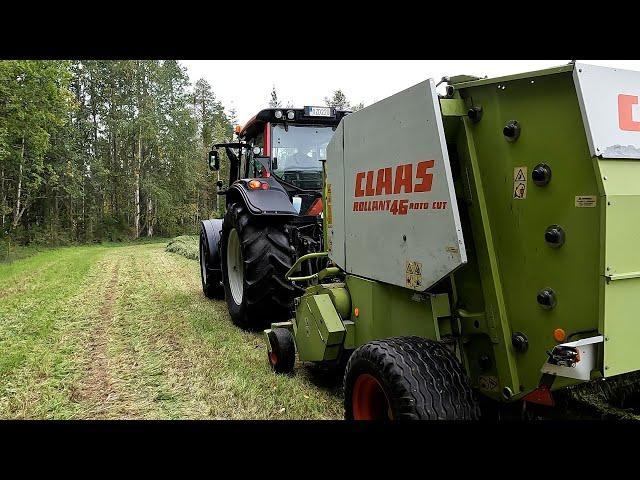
{"points": [[546, 298], [475, 114], [604, 178], [554, 236], [511, 131], [520, 342], [541, 174], [404, 238]]}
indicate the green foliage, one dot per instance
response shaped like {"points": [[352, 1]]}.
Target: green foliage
{"points": [[339, 101], [104, 150]]}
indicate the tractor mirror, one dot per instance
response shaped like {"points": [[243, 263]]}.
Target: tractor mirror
{"points": [[214, 160]]}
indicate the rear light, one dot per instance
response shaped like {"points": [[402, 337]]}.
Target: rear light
{"points": [[257, 185], [237, 129], [316, 207], [541, 396], [559, 335]]}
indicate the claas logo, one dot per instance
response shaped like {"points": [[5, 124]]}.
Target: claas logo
{"points": [[625, 113], [386, 181]]}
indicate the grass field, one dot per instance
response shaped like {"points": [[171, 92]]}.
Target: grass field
{"points": [[124, 332]]}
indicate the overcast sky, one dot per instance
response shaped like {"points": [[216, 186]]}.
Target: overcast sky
{"points": [[246, 84]]}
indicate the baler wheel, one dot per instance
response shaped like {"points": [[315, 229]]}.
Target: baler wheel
{"points": [[407, 378], [282, 356]]}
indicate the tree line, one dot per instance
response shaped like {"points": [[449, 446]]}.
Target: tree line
{"points": [[95, 150], [337, 100], [105, 150]]}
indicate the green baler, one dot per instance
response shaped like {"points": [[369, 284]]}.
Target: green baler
{"points": [[481, 242]]}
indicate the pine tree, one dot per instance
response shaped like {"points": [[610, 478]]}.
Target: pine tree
{"points": [[338, 100], [274, 102]]}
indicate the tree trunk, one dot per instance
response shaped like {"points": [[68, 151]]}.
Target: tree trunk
{"points": [[17, 214], [137, 184], [4, 199], [149, 217]]}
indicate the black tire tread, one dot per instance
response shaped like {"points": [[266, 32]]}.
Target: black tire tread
{"points": [[424, 379], [212, 288], [285, 349], [268, 297]]}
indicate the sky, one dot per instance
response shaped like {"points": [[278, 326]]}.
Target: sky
{"points": [[246, 84]]}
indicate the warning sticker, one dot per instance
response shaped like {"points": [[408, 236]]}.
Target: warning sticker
{"points": [[328, 203], [413, 274], [520, 183], [586, 201], [487, 382]]}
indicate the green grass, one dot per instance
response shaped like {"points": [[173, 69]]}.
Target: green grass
{"points": [[185, 245], [123, 331]]}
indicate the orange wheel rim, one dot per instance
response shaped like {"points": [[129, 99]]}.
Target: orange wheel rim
{"points": [[273, 358], [369, 400]]}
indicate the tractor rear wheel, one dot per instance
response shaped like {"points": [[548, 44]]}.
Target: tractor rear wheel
{"points": [[407, 378], [255, 255]]}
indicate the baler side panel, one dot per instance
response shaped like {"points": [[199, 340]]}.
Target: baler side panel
{"points": [[334, 198], [552, 133], [621, 270], [386, 310], [610, 106]]}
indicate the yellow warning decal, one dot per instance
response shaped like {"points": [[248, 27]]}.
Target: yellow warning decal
{"points": [[413, 274], [586, 201], [328, 204], [520, 183]]}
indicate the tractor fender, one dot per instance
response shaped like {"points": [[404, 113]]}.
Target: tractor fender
{"points": [[211, 229], [273, 201]]}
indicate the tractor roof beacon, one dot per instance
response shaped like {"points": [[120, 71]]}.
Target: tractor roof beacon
{"points": [[479, 245], [273, 212]]}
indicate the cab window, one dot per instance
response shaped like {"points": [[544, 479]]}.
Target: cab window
{"points": [[252, 169]]}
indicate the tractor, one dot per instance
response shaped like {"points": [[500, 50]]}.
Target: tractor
{"points": [[273, 212], [480, 246]]}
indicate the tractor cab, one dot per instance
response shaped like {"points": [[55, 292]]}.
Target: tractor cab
{"points": [[287, 145]]}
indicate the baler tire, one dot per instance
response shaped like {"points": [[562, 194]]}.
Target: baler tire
{"points": [[266, 256], [282, 358], [407, 378], [211, 283]]}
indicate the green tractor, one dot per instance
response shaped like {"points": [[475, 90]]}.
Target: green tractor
{"points": [[273, 212], [480, 245]]}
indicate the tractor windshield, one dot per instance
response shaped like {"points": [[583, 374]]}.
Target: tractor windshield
{"points": [[297, 152]]}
